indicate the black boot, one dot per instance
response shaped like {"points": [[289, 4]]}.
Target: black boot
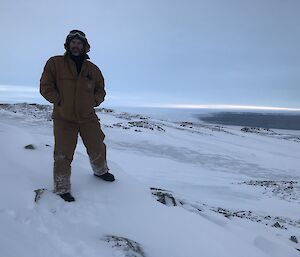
{"points": [[106, 176], [67, 197]]}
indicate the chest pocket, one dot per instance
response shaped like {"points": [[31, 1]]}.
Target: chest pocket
{"points": [[88, 83]]}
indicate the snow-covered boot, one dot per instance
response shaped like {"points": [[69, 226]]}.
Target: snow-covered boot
{"points": [[106, 176], [67, 197]]}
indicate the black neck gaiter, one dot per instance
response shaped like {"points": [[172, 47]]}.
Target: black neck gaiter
{"points": [[78, 61]]}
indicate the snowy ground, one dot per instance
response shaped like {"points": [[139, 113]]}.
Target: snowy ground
{"points": [[183, 189]]}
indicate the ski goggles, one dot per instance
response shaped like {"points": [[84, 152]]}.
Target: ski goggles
{"points": [[77, 33]]}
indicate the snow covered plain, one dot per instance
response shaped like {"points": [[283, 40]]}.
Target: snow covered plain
{"points": [[183, 189]]}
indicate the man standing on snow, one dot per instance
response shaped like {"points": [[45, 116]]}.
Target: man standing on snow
{"points": [[75, 86]]}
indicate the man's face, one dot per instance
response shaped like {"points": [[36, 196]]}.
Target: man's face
{"points": [[76, 46]]}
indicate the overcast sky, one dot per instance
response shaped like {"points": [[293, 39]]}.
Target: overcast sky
{"points": [[195, 52]]}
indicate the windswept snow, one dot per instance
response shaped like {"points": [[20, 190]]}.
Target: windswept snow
{"points": [[181, 190]]}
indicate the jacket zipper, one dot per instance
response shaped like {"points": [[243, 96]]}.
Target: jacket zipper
{"points": [[75, 98]]}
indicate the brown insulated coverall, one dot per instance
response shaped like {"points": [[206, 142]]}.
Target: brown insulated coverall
{"points": [[74, 97]]}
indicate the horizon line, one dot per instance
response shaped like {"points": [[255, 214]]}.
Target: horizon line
{"points": [[221, 106]]}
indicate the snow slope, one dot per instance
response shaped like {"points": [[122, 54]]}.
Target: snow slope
{"points": [[215, 176]]}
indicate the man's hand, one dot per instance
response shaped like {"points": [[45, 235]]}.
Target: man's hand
{"points": [[99, 88]]}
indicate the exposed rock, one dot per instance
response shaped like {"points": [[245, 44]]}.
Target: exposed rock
{"points": [[167, 197], [286, 190], [107, 126], [30, 146], [35, 111], [294, 239], [106, 110], [269, 132], [164, 196], [257, 130], [197, 126], [129, 247], [145, 124], [277, 225], [139, 124], [38, 194], [128, 116], [186, 124]]}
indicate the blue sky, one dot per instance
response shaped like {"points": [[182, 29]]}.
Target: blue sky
{"points": [[155, 53]]}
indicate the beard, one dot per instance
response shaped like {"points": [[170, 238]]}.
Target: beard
{"points": [[75, 51]]}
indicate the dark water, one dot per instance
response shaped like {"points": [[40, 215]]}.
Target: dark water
{"points": [[252, 119]]}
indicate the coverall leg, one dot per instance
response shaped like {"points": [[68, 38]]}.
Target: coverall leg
{"points": [[65, 137], [93, 137]]}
